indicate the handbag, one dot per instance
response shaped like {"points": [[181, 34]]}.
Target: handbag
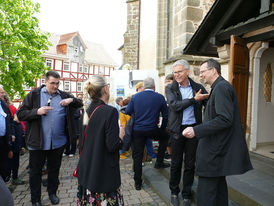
{"points": [[75, 172]]}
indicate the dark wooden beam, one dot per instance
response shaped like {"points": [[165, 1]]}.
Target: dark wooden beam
{"points": [[243, 28], [261, 37], [220, 23]]}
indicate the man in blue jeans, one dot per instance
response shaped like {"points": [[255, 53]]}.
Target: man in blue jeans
{"points": [[146, 107]]}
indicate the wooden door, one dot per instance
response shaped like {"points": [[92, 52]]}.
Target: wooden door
{"points": [[239, 73]]}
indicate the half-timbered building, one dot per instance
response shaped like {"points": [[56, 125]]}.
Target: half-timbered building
{"points": [[76, 60]]}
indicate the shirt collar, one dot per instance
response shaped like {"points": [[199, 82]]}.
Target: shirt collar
{"points": [[188, 85], [148, 90]]}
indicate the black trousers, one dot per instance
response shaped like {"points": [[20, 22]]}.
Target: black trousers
{"points": [[212, 191], [4, 169], [183, 149], [14, 165], [138, 146], [36, 162], [71, 146]]}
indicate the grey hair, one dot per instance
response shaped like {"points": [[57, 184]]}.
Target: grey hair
{"points": [[149, 83], [183, 63]]}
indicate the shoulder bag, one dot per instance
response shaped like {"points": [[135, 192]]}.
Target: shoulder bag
{"points": [[75, 173]]}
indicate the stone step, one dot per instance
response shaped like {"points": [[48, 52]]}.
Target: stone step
{"points": [[254, 188], [158, 179]]}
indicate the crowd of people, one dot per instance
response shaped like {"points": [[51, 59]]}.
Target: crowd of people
{"points": [[200, 131]]}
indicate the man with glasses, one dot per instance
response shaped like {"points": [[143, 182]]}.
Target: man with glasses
{"points": [[222, 148], [185, 99], [49, 113]]}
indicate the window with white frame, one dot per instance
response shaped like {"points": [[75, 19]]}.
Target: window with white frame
{"points": [[91, 69], [101, 70], [86, 69], [96, 69], [81, 68], [79, 86], [76, 50], [49, 63], [67, 86], [66, 66], [106, 70]]}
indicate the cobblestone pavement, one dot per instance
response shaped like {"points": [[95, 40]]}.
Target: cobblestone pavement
{"points": [[68, 186]]}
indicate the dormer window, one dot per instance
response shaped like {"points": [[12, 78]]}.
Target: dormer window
{"points": [[76, 50]]}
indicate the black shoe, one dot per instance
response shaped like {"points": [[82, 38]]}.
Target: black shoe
{"points": [[18, 181], [44, 170], [186, 202], [37, 204], [138, 186], [45, 182], [174, 200], [167, 157], [54, 199], [161, 165], [7, 179]]}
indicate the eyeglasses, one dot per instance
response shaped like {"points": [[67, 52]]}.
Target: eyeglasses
{"points": [[108, 84], [178, 72], [54, 83], [203, 71]]}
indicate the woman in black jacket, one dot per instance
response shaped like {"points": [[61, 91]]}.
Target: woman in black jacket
{"points": [[98, 168]]}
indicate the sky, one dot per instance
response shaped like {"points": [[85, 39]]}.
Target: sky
{"points": [[99, 21]]}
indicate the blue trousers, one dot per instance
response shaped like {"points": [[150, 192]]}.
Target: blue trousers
{"points": [[150, 149]]}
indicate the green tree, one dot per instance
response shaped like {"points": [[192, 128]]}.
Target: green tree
{"points": [[21, 45]]}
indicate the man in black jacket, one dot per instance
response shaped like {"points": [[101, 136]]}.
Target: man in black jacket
{"points": [[222, 148], [185, 99], [49, 113], [6, 131]]}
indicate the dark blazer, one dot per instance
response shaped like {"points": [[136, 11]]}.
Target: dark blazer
{"points": [[9, 126], [176, 106], [222, 148], [98, 167], [28, 112]]}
